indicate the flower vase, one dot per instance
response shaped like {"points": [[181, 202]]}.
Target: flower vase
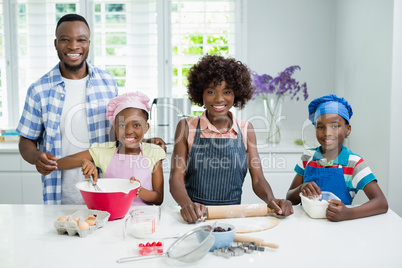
{"points": [[273, 112]]}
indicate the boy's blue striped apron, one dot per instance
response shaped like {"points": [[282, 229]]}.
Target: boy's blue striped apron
{"points": [[216, 169]]}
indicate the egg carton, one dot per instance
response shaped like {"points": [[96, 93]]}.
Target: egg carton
{"points": [[71, 228]]}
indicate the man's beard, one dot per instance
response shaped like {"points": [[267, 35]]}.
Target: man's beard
{"points": [[74, 68]]}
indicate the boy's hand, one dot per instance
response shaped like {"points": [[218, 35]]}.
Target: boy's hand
{"points": [[337, 211], [89, 169], [310, 189]]}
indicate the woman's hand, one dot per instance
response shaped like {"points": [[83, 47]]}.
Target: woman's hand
{"points": [[133, 179], [157, 141], [310, 189], [337, 211], [89, 169], [282, 207], [191, 212]]}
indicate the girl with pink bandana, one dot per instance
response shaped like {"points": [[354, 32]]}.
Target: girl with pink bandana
{"points": [[129, 157]]}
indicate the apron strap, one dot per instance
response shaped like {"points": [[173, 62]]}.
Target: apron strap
{"points": [[308, 161], [198, 131], [140, 145], [141, 151], [239, 134]]}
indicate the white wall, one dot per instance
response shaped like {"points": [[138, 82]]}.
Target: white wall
{"points": [[343, 47], [395, 144], [292, 32], [363, 67]]}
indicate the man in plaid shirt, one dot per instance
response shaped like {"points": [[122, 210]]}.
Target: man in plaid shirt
{"points": [[65, 111]]}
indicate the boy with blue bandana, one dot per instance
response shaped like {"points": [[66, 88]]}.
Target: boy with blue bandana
{"points": [[334, 168]]}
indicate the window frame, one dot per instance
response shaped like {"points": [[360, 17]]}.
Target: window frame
{"points": [[164, 51], [10, 24]]}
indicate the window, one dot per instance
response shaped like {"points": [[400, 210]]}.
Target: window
{"points": [[147, 45], [28, 45], [35, 27], [3, 79], [199, 28], [126, 43]]}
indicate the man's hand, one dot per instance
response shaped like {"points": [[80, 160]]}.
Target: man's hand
{"points": [[45, 163]]}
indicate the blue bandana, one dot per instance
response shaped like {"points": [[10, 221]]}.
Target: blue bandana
{"points": [[329, 104]]}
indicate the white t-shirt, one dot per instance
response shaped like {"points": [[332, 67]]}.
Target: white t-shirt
{"points": [[74, 136]]}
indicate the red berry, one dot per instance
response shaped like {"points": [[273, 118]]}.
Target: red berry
{"points": [[141, 245], [159, 244], [144, 251], [148, 244], [153, 244]]}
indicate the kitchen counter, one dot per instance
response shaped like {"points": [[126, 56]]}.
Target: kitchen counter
{"points": [[9, 147], [28, 239]]}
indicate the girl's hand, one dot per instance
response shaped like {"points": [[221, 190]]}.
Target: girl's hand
{"points": [[310, 189], [89, 169], [337, 211], [133, 179]]}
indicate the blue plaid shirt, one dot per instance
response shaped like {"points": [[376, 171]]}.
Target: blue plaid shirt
{"points": [[40, 118]]}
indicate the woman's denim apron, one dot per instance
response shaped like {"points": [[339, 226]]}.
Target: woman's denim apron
{"points": [[216, 169]]}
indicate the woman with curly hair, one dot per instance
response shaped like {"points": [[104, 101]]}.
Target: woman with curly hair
{"points": [[213, 152]]}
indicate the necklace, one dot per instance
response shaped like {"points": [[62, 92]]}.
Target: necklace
{"points": [[330, 163]]}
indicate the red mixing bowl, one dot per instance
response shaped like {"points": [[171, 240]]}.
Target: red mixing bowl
{"points": [[116, 196]]}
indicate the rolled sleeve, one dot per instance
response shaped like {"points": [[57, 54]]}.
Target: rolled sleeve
{"points": [[31, 122]]}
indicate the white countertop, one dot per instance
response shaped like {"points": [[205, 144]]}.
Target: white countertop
{"points": [[9, 147], [28, 239]]}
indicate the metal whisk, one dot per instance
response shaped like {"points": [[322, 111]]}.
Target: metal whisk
{"points": [[96, 187]]}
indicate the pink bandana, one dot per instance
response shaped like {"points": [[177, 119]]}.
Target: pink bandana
{"points": [[128, 100]]}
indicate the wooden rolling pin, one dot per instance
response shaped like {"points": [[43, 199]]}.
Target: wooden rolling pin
{"points": [[258, 241], [237, 211]]}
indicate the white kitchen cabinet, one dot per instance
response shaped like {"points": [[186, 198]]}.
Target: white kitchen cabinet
{"points": [[32, 188], [20, 183], [10, 190]]}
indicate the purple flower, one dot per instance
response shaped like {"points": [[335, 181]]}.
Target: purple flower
{"points": [[281, 85]]}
